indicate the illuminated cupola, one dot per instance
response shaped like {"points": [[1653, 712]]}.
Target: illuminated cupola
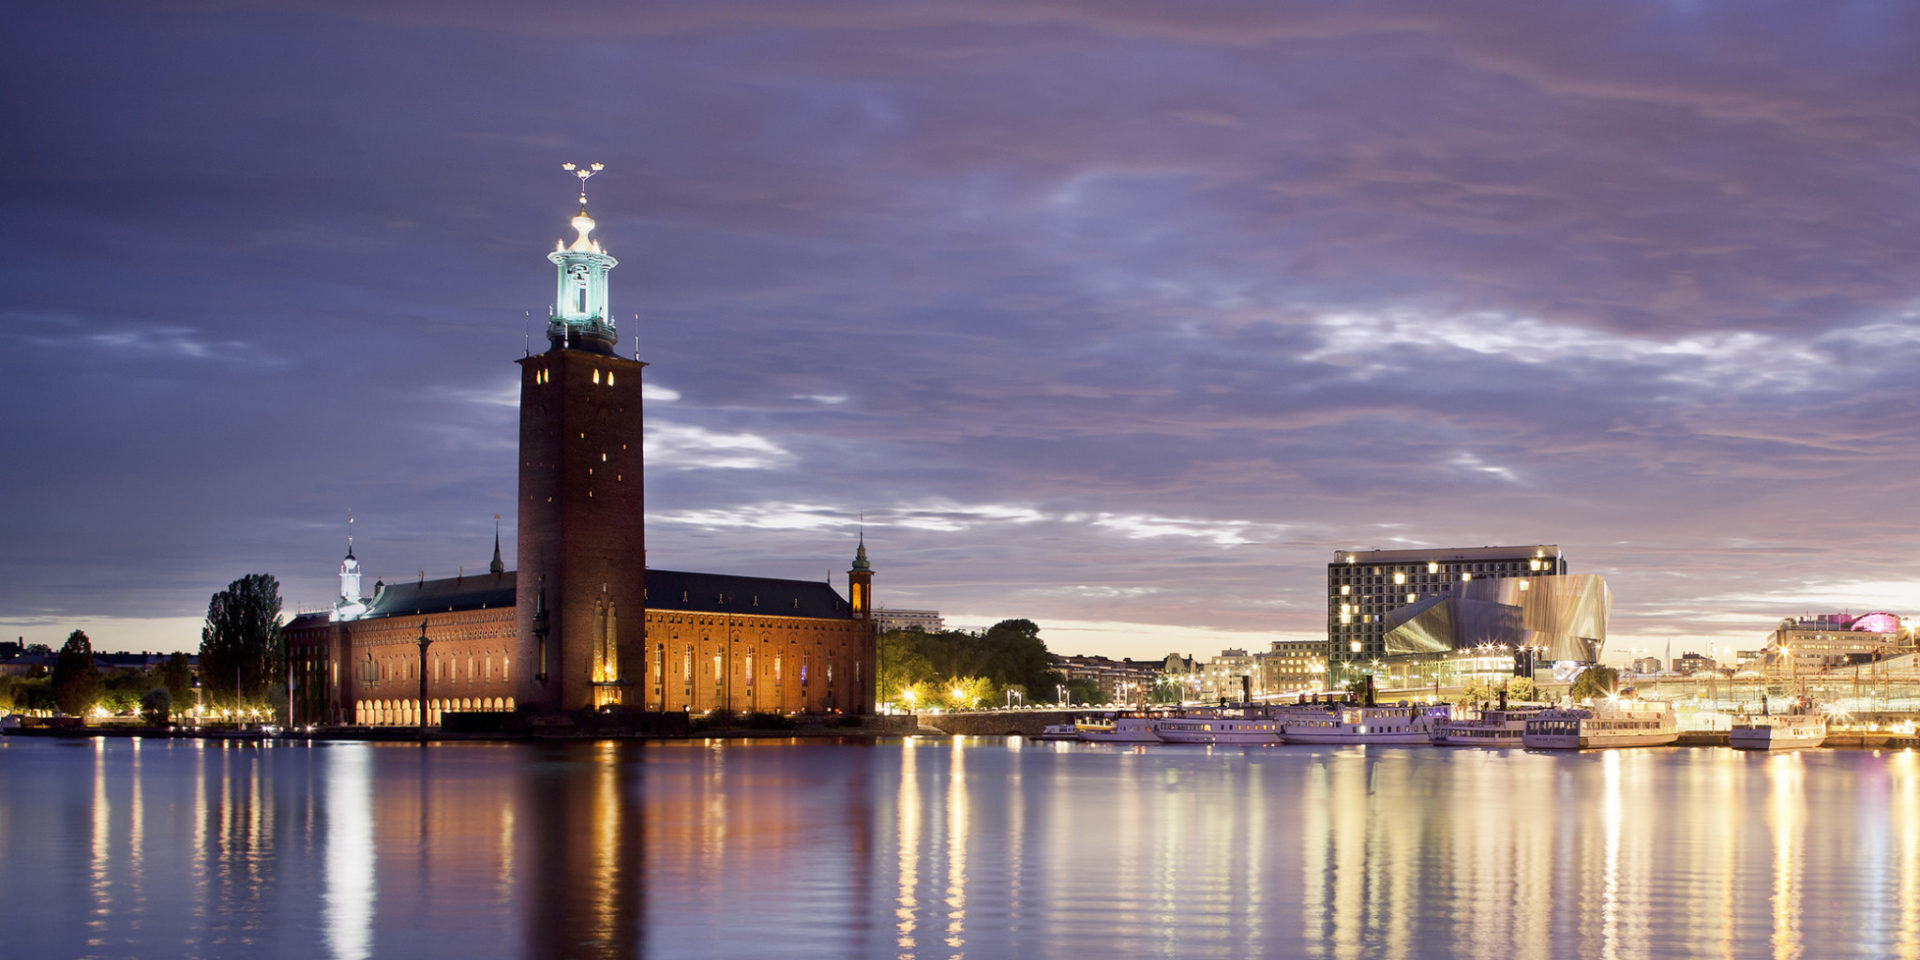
{"points": [[349, 605], [582, 318]]}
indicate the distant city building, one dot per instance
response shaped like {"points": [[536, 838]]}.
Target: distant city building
{"points": [[1123, 681], [926, 621], [1691, 663], [1645, 666], [1808, 645], [1292, 667], [1365, 586]]}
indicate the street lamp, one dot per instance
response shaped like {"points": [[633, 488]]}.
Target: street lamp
{"points": [[424, 642]]}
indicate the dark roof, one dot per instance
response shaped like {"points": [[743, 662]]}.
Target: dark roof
{"points": [[720, 593], [479, 592], [666, 590]]}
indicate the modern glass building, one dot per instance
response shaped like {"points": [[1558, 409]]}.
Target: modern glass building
{"points": [[1364, 587], [1488, 629]]}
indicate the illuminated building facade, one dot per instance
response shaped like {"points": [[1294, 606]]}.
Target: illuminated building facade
{"points": [[1365, 586], [1292, 667], [583, 624], [1804, 646], [1494, 629]]}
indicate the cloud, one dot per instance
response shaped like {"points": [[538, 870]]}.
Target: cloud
{"points": [[677, 446]]}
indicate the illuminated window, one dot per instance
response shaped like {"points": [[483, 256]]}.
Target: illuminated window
{"points": [[609, 378], [596, 376], [1399, 578]]}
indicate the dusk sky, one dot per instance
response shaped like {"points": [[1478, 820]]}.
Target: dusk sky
{"points": [[1118, 316]]}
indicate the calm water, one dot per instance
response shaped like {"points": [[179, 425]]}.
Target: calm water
{"points": [[980, 848]]}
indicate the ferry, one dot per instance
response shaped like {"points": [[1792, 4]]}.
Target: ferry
{"points": [[1059, 731], [1611, 723], [1469, 727], [1394, 724], [1121, 729], [1778, 733], [1217, 730]]}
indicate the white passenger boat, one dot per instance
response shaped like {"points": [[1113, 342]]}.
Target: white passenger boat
{"points": [[1396, 724], [1471, 727], [1217, 730], [1778, 733], [1059, 731], [1611, 723], [1122, 729]]}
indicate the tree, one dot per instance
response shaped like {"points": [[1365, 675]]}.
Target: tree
{"points": [[1477, 690], [1594, 682], [1522, 689], [76, 681], [176, 674], [967, 693], [903, 667], [241, 642], [157, 705], [1082, 690]]}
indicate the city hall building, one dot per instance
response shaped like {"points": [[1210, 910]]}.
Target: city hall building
{"points": [[582, 623]]}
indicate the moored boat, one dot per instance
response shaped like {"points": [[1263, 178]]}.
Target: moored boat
{"points": [[1117, 729], [1217, 730], [1059, 731], [1788, 732], [1611, 723], [1385, 725], [1470, 727]]}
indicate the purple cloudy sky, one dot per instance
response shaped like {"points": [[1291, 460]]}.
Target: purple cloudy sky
{"points": [[1120, 316]]}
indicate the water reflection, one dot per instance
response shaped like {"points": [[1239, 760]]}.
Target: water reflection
{"points": [[978, 848], [352, 879]]}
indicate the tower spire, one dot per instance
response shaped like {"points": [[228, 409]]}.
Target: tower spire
{"points": [[496, 566]]}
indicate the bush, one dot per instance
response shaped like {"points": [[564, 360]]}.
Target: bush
{"points": [[721, 719], [768, 721]]}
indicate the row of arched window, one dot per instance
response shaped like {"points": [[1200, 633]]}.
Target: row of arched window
{"points": [[406, 713]]}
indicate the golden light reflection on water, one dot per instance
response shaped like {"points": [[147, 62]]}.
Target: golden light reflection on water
{"points": [[907, 840], [1905, 770], [1785, 805], [976, 849], [956, 826]]}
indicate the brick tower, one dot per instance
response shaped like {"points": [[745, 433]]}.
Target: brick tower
{"points": [[580, 590]]}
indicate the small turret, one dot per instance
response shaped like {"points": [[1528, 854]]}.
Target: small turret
{"points": [[860, 582]]}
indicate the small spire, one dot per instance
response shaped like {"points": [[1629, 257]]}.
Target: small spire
{"points": [[860, 555], [582, 222], [350, 535], [496, 566]]}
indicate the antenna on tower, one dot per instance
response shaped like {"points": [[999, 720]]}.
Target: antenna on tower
{"points": [[585, 172]]}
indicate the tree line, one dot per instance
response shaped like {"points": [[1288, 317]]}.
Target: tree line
{"points": [[1006, 664], [242, 667]]}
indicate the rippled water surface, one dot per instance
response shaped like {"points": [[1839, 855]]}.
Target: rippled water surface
{"points": [[930, 849]]}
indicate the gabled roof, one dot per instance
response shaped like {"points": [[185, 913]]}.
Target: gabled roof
{"points": [[480, 592], [721, 593], [666, 590]]}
